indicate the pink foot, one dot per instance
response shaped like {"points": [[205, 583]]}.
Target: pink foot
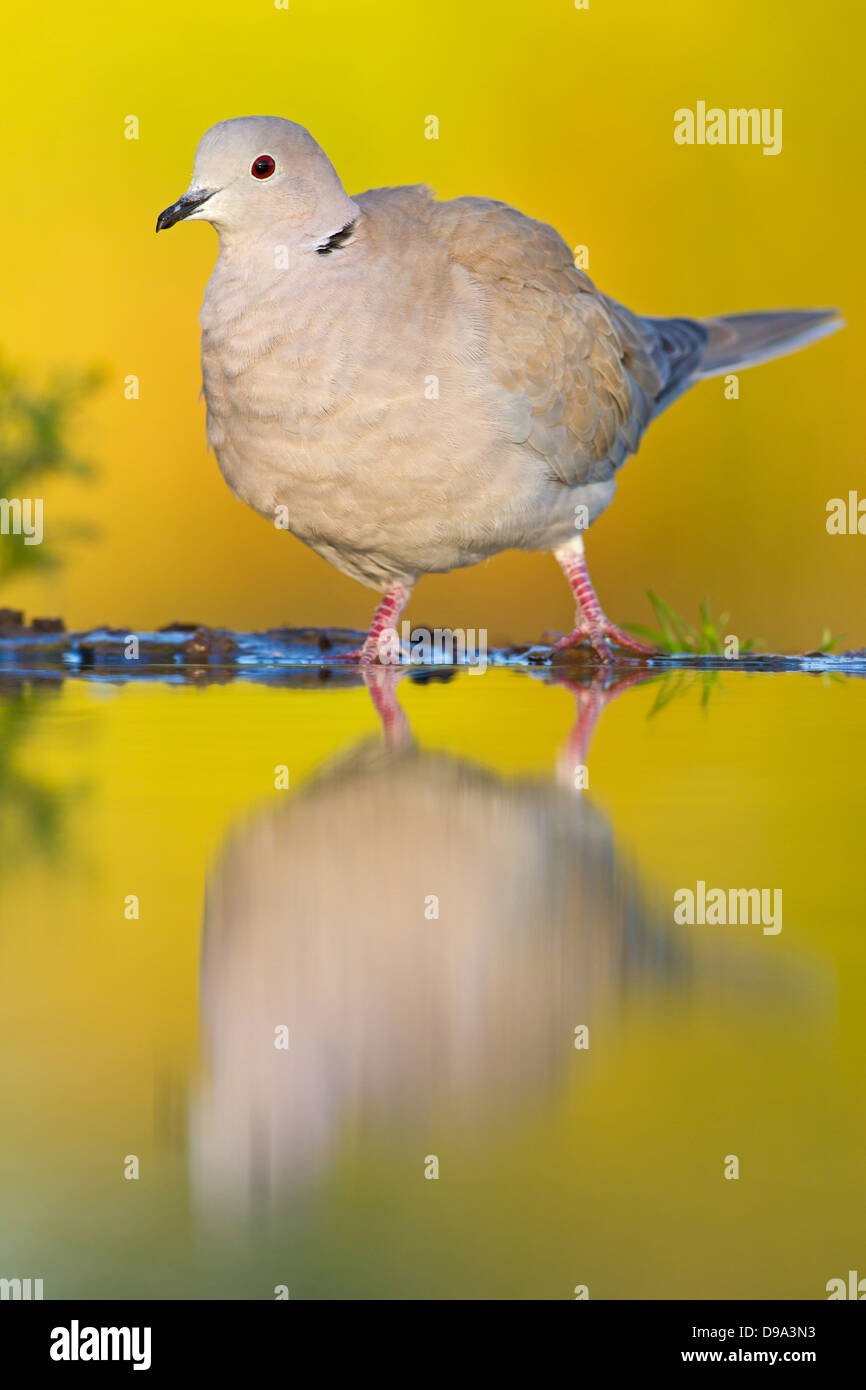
{"points": [[363, 656], [592, 625], [600, 635]]}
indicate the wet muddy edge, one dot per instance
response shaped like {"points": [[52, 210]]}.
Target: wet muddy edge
{"points": [[194, 652]]}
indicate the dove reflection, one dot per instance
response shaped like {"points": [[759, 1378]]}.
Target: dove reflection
{"points": [[317, 918]]}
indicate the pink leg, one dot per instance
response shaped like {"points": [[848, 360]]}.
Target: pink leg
{"points": [[590, 622], [387, 616], [382, 681]]}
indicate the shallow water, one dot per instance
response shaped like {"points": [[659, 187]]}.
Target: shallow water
{"points": [[413, 1035]]}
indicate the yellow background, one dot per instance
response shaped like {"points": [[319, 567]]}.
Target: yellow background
{"points": [[567, 114]]}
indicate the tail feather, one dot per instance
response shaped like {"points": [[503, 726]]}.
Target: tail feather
{"points": [[743, 340]]}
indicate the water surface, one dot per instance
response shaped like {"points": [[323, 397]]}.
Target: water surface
{"points": [[431, 908]]}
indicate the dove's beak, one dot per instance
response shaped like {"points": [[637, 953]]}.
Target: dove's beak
{"points": [[183, 207]]}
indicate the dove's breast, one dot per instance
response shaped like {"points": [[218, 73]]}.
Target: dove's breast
{"points": [[349, 399]]}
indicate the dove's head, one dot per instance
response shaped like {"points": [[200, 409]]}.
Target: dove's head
{"points": [[261, 174]]}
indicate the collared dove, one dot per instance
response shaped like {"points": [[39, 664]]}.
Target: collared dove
{"points": [[411, 386]]}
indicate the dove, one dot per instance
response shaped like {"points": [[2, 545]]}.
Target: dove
{"points": [[411, 385]]}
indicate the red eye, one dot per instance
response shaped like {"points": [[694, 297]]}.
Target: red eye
{"points": [[263, 167]]}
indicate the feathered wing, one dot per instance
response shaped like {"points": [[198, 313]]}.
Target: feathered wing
{"points": [[585, 375], [582, 373]]}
